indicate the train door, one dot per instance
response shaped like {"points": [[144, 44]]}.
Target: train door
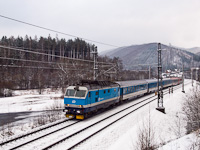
{"points": [[96, 98], [89, 98], [121, 94]]}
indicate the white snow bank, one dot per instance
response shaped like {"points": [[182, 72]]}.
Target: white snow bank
{"points": [[30, 100], [167, 127]]}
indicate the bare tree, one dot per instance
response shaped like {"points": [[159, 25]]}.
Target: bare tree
{"points": [[146, 136], [191, 109]]}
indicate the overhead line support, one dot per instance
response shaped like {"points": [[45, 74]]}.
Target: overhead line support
{"points": [[160, 106]]}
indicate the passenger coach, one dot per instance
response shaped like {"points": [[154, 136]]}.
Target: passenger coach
{"points": [[90, 96]]}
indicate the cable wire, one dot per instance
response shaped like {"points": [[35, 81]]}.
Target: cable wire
{"points": [[75, 59], [33, 67], [44, 28]]}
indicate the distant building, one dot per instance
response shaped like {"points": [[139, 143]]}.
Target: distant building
{"points": [[170, 73]]}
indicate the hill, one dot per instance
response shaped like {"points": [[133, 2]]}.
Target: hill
{"points": [[195, 50], [135, 55]]}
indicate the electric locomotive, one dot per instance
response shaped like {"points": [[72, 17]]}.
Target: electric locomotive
{"points": [[90, 96]]}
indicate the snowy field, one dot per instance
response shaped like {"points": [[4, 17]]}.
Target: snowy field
{"points": [[168, 129], [30, 100], [23, 110]]}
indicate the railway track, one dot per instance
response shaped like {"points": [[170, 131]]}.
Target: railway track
{"points": [[93, 129], [73, 137], [30, 137]]}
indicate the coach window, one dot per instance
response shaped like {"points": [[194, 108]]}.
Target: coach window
{"points": [[108, 91], [104, 91], [114, 90]]}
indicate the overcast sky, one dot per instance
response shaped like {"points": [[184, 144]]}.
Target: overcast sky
{"points": [[116, 22]]}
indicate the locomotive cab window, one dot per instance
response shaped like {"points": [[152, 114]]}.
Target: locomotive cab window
{"points": [[75, 93], [70, 92], [80, 93]]}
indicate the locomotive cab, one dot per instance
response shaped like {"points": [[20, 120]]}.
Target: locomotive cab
{"points": [[74, 100]]}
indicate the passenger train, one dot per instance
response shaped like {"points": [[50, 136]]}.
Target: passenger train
{"points": [[90, 96]]}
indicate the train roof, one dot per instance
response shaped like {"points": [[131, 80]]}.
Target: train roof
{"points": [[136, 82], [94, 84], [131, 82], [155, 80]]}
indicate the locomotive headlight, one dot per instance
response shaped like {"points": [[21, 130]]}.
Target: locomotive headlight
{"points": [[80, 106], [78, 111], [65, 110]]}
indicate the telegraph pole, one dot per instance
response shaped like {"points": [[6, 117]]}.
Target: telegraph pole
{"points": [[159, 84], [183, 79], [192, 69], [95, 62], [149, 72], [192, 75], [197, 74]]}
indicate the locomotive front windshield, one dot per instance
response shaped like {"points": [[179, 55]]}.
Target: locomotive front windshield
{"points": [[80, 93], [75, 93], [70, 93]]}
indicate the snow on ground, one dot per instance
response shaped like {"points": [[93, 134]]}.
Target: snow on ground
{"points": [[30, 100], [186, 142], [23, 110], [167, 127]]}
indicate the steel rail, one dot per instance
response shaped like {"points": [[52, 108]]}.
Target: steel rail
{"points": [[73, 134], [39, 130]]}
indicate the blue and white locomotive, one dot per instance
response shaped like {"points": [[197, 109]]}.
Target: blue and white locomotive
{"points": [[90, 96]]}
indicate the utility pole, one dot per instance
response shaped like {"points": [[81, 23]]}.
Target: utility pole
{"points": [[149, 72], [95, 53], [192, 69], [197, 74], [159, 84], [183, 79], [192, 75]]}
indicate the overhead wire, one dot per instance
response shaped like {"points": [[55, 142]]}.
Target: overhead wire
{"points": [[51, 55], [34, 61], [52, 30], [45, 62], [32, 67]]}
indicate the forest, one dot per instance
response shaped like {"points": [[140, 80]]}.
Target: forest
{"points": [[38, 63]]}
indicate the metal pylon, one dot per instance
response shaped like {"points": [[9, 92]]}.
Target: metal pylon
{"points": [[160, 106], [95, 53]]}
